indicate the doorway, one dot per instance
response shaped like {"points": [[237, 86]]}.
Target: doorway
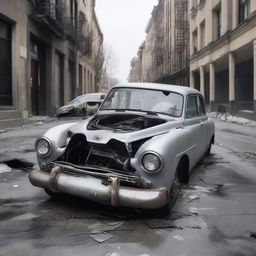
{"points": [[5, 64], [37, 79]]}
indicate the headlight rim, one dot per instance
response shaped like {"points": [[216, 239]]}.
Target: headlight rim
{"points": [[156, 154], [49, 143]]}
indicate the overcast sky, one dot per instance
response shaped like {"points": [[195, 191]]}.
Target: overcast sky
{"points": [[123, 24]]}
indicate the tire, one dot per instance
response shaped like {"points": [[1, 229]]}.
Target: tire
{"points": [[208, 151], [174, 191]]}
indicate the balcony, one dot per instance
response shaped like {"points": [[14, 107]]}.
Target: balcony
{"points": [[51, 15], [70, 28], [196, 7], [85, 44]]}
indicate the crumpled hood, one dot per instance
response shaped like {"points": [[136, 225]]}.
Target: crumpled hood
{"points": [[65, 108], [103, 136]]}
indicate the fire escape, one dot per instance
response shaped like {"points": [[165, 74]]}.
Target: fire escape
{"points": [[182, 35], [51, 15], [84, 36]]}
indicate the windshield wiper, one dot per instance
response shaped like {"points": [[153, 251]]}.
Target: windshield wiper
{"points": [[138, 110]]}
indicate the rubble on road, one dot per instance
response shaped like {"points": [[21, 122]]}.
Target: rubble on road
{"points": [[233, 119], [4, 168], [101, 237]]}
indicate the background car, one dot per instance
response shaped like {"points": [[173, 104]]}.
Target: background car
{"points": [[86, 104], [142, 143]]}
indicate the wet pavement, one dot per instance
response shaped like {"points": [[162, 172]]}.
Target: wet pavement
{"points": [[214, 215]]}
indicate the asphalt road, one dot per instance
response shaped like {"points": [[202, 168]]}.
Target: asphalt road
{"points": [[214, 215]]}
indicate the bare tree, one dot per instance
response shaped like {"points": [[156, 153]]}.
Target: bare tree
{"points": [[99, 66], [108, 69]]}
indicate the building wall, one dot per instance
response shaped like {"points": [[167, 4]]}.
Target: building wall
{"points": [[228, 56], [164, 55], [72, 57]]}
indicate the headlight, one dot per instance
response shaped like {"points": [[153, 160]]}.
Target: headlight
{"points": [[43, 147], [151, 162]]}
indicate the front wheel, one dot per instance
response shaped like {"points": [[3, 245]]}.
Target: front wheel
{"points": [[173, 194]]}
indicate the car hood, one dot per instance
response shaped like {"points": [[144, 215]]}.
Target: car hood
{"points": [[103, 136], [66, 108]]}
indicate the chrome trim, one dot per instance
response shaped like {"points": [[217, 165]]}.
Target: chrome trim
{"points": [[92, 188], [50, 146], [154, 153], [98, 171]]}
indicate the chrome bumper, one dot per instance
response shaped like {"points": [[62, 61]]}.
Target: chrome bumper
{"points": [[92, 188]]}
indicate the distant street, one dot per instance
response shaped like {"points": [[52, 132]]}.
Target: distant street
{"points": [[214, 215]]}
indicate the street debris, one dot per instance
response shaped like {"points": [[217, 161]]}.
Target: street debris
{"points": [[38, 123], [15, 186], [249, 156], [93, 226], [101, 237], [26, 216], [193, 210], [2, 131], [178, 237], [161, 224], [25, 126], [19, 164], [4, 168]]}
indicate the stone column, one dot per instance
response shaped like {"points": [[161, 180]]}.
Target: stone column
{"points": [[234, 14], [212, 86], [232, 67], [254, 74], [66, 81], [192, 79], [202, 80], [199, 30]]}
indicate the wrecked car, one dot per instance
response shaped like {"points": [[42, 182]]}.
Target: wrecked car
{"points": [[86, 104], [135, 152]]}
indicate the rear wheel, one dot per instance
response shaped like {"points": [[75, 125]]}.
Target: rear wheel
{"points": [[208, 152]]}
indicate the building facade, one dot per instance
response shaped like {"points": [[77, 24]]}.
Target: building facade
{"points": [[223, 53], [48, 50], [164, 56]]}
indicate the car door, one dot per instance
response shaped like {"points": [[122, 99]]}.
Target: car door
{"points": [[193, 123], [204, 126]]}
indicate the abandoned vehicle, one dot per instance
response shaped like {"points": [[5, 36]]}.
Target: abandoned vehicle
{"points": [[134, 152], [86, 104]]}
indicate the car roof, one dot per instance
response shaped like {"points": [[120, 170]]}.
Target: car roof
{"points": [[156, 86]]}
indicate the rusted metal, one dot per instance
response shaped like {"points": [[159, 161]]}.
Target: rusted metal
{"points": [[92, 188], [114, 191], [53, 178]]}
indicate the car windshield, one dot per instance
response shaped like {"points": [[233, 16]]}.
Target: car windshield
{"points": [[146, 100]]}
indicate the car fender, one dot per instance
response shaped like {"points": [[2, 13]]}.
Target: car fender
{"points": [[57, 136], [170, 147]]}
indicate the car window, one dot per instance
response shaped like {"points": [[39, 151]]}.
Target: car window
{"points": [[201, 107], [191, 108]]}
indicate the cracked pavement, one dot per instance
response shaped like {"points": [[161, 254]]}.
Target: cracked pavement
{"points": [[214, 214]]}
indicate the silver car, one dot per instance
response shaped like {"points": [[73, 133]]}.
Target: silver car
{"points": [[86, 104], [135, 152]]}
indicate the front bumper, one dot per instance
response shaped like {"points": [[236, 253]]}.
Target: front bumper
{"points": [[93, 189]]}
